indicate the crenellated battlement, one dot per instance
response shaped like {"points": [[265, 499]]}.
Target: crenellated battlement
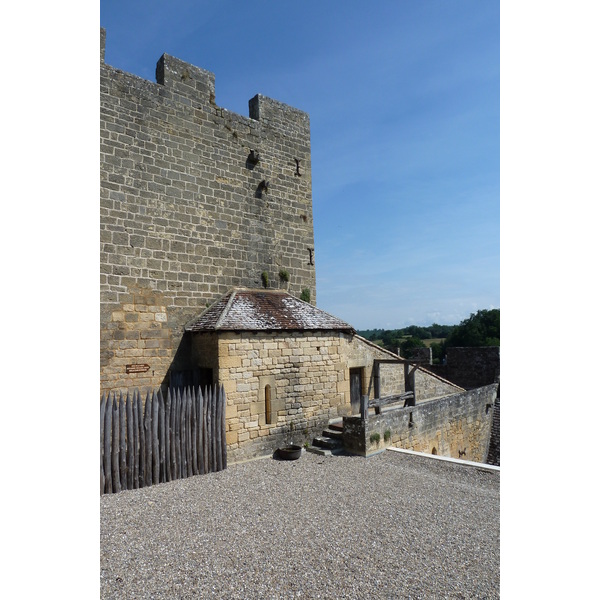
{"points": [[186, 78], [195, 200], [199, 85], [102, 43]]}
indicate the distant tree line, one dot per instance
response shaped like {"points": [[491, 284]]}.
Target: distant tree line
{"points": [[480, 329]]}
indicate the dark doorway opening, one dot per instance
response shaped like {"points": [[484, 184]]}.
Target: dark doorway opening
{"points": [[355, 389], [199, 376]]}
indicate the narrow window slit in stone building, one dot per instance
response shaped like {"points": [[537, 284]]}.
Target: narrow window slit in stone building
{"points": [[268, 419], [410, 420], [434, 450]]}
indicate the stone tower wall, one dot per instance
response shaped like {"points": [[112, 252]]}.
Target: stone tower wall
{"points": [[183, 213]]}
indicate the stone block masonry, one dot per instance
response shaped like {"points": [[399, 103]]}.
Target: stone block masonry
{"points": [[284, 387], [457, 426], [470, 367], [306, 388], [194, 200]]}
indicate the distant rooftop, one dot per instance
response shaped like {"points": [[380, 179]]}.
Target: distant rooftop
{"points": [[265, 310]]}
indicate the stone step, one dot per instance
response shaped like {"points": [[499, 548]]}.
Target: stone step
{"points": [[333, 433], [317, 450], [330, 442], [326, 451], [327, 442]]}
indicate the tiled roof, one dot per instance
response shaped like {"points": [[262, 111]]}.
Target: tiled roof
{"points": [[264, 310]]}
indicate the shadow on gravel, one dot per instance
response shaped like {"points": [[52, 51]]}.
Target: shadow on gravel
{"points": [[276, 456]]}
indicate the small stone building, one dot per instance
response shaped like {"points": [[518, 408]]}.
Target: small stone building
{"points": [[288, 368]]}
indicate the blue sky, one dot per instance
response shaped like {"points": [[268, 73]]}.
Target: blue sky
{"points": [[404, 114], [404, 103]]}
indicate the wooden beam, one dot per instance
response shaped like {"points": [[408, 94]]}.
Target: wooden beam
{"points": [[377, 403]]}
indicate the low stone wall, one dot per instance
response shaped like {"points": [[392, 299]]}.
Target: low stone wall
{"points": [[457, 426]]}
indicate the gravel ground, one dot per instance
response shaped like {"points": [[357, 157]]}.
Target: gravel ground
{"points": [[391, 526]]}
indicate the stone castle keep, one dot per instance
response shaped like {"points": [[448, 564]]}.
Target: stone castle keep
{"points": [[185, 215], [207, 246]]}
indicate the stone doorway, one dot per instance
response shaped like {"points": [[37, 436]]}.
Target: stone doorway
{"points": [[355, 389]]}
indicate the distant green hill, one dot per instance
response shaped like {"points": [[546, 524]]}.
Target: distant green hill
{"points": [[423, 333], [480, 329]]}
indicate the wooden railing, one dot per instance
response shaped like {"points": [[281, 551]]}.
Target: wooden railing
{"points": [[407, 398]]}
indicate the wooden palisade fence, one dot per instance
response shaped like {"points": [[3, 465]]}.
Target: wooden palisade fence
{"points": [[144, 443]]}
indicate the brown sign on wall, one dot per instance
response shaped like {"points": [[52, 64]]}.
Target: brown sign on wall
{"points": [[136, 368]]}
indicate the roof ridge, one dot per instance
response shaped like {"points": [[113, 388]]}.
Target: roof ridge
{"points": [[205, 310], [226, 309]]}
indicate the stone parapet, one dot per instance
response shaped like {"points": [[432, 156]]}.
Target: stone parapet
{"points": [[457, 426]]}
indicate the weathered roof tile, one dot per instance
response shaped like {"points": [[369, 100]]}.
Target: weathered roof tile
{"points": [[264, 310]]}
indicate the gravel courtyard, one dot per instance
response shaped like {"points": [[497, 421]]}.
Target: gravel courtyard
{"points": [[391, 526]]}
